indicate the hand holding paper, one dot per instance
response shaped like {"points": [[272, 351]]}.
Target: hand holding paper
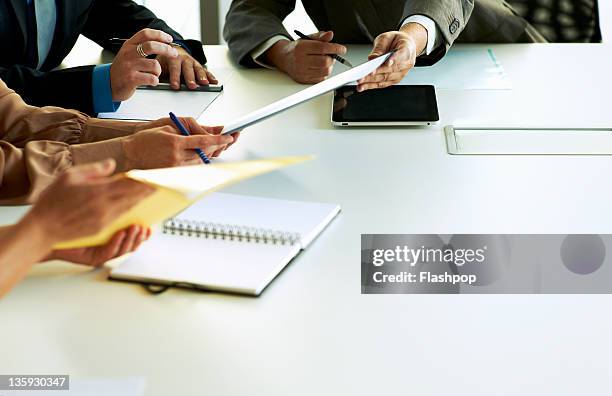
{"points": [[178, 188], [312, 92]]}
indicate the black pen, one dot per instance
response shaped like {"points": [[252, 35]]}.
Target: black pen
{"points": [[336, 57]]}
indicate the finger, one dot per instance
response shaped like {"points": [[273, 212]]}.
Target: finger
{"points": [[321, 48], [378, 85], [391, 78], [201, 75], [382, 44], [213, 130], [214, 151], [151, 66], [155, 48], [320, 61], [96, 170], [373, 78], [128, 243], [192, 126], [325, 36], [205, 141], [150, 35], [189, 74], [174, 72], [111, 249], [139, 239], [211, 77], [146, 79], [235, 135]]}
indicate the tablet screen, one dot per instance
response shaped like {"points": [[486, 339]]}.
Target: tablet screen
{"points": [[399, 103]]}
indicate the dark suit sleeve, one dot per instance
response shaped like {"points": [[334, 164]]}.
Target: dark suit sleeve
{"points": [[249, 23], [450, 16], [124, 18], [41, 88]]}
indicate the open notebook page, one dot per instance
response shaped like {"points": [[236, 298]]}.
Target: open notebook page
{"points": [[307, 219]]}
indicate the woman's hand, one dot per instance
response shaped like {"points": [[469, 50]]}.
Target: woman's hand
{"points": [[159, 144], [83, 201], [123, 242]]}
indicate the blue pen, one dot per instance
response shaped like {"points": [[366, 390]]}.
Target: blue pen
{"points": [[185, 132]]}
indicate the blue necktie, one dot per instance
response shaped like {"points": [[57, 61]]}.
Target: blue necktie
{"points": [[42, 17]]}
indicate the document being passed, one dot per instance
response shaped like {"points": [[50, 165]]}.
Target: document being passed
{"points": [[312, 92]]}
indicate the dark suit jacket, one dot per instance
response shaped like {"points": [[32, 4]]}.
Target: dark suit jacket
{"points": [[99, 20], [251, 22]]}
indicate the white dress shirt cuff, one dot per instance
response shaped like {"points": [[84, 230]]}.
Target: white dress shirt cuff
{"points": [[263, 47], [429, 25]]}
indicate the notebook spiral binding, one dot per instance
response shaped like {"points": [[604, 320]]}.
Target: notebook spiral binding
{"points": [[238, 233]]}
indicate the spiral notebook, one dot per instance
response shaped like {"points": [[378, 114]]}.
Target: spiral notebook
{"points": [[227, 242]]}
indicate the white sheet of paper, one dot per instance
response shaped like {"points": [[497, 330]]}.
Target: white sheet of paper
{"points": [[151, 105], [321, 88]]}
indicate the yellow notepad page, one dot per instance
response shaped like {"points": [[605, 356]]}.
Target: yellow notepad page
{"points": [[178, 188]]}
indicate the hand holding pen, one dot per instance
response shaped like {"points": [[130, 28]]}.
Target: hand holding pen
{"points": [[206, 142], [333, 56], [307, 61]]}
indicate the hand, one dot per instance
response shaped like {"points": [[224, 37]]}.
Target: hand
{"points": [[163, 146], [130, 70], [408, 43], [83, 201], [306, 61], [194, 74], [123, 242], [192, 126]]}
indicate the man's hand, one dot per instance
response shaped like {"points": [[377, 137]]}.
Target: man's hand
{"points": [[130, 70], [193, 73], [409, 42], [163, 146], [305, 61], [123, 242]]}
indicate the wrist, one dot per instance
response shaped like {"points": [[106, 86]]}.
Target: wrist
{"points": [[36, 229], [127, 145], [417, 35], [277, 54]]}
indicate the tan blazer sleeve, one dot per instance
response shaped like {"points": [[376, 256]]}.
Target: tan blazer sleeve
{"points": [[21, 123], [37, 144]]}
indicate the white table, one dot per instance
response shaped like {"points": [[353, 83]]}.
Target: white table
{"points": [[312, 332]]}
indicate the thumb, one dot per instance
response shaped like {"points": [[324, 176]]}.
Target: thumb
{"points": [[381, 46], [323, 36], [92, 171], [214, 130]]}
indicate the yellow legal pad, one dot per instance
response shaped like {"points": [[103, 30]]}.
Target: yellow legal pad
{"points": [[177, 189]]}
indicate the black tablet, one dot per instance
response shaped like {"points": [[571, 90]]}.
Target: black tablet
{"points": [[395, 105]]}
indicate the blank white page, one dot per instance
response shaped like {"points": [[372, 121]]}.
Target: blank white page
{"points": [[212, 264]]}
